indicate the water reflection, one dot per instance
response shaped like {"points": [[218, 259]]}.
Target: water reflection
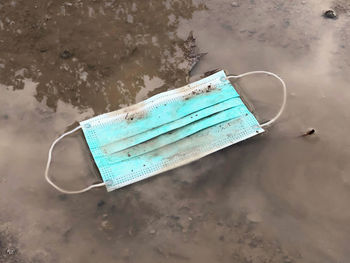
{"points": [[92, 54]]}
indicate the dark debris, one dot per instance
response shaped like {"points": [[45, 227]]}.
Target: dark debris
{"points": [[192, 56], [66, 54], [309, 132], [331, 14], [101, 203], [210, 72]]}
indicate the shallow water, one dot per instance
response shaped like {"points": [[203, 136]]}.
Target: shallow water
{"points": [[278, 197]]}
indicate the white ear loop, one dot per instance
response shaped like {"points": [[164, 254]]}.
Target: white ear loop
{"points": [[284, 92], [48, 167]]}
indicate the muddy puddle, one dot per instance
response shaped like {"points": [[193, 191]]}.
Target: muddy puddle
{"points": [[278, 197]]}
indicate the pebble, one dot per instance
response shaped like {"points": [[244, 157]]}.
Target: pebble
{"points": [[106, 225], [101, 203], [11, 251], [152, 231], [234, 4], [174, 217], [254, 217], [330, 14], [66, 54]]}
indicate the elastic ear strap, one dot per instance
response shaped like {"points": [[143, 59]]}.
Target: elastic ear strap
{"points": [[48, 167], [284, 92]]}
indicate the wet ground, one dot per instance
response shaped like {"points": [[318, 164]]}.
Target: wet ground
{"points": [[278, 197]]}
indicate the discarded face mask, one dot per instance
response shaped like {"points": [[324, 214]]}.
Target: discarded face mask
{"points": [[167, 130]]}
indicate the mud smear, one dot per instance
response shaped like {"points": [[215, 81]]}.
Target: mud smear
{"points": [[278, 197]]}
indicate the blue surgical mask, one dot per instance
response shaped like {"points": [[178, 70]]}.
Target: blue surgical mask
{"points": [[167, 130]]}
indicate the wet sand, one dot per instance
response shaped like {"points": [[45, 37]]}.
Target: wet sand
{"points": [[278, 197]]}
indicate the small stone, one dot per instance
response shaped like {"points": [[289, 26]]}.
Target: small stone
{"points": [[190, 218], [66, 54], [254, 217], [303, 2], [152, 231], [330, 14], [11, 251], [106, 225], [101, 203], [235, 4], [174, 217]]}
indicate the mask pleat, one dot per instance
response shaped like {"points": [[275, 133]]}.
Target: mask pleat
{"points": [[149, 134], [139, 122], [178, 134]]}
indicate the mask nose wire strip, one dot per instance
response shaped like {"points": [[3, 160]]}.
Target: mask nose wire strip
{"points": [[48, 167], [284, 92]]}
